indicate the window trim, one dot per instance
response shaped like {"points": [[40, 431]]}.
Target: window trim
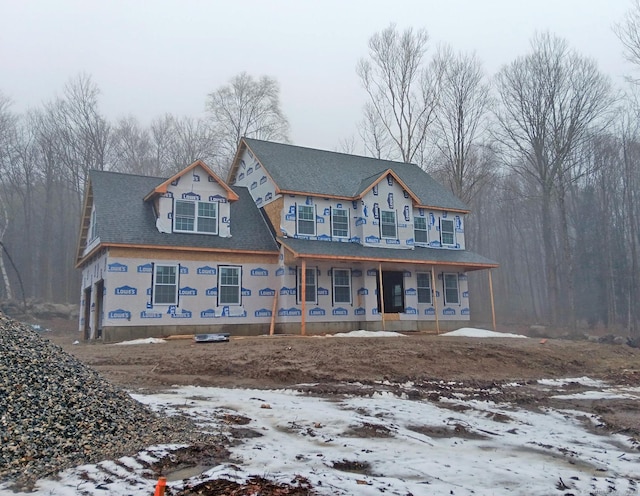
{"points": [[238, 268], [346, 214], [333, 285], [395, 225], [452, 232], [299, 284], [428, 288], [425, 230], [313, 220], [155, 283], [444, 288], [196, 217]]}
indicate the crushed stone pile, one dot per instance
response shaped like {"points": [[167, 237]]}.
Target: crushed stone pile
{"points": [[57, 413]]}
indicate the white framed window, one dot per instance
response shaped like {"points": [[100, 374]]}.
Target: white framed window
{"points": [[229, 285], [339, 223], [94, 225], [424, 287], [310, 291], [195, 216], [447, 233], [388, 224], [165, 284], [451, 292], [420, 233], [306, 220], [341, 285]]}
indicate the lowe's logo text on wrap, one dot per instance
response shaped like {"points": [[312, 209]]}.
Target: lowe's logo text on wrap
{"points": [[448, 311], [187, 291], [209, 313], [184, 314], [263, 312], [212, 291], [206, 271], [126, 291], [259, 271], [289, 312], [340, 311], [120, 314], [145, 268], [317, 312], [150, 315], [117, 267], [267, 292]]}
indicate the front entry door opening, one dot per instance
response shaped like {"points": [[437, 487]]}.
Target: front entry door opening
{"points": [[392, 291]]}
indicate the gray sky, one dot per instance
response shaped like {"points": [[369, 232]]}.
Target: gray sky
{"points": [[153, 57]]}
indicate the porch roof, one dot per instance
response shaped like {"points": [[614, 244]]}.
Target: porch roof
{"points": [[326, 250]]}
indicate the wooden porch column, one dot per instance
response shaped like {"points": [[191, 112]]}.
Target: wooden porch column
{"points": [[435, 298], [493, 309], [274, 305], [381, 295], [303, 290]]}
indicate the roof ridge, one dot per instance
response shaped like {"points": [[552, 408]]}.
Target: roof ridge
{"points": [[330, 151], [125, 174]]}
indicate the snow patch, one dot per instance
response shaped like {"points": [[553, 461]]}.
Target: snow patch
{"points": [[472, 332], [368, 334], [141, 341]]}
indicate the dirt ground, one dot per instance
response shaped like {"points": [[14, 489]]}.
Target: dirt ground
{"points": [[282, 361], [329, 366], [337, 365]]}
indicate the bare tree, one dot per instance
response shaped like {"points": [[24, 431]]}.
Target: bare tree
{"points": [[130, 149], [551, 100], [403, 89], [628, 32], [461, 122], [246, 107], [83, 132], [7, 124]]}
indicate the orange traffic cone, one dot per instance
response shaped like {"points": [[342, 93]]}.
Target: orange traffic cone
{"points": [[161, 486]]}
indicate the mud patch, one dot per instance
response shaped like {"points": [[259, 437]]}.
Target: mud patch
{"points": [[230, 418], [182, 462], [352, 466], [452, 430], [299, 486], [244, 433], [367, 429]]}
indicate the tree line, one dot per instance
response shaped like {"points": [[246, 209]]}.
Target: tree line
{"points": [[546, 153]]}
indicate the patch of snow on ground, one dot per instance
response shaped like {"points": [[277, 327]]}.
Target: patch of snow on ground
{"points": [[368, 334], [472, 332], [141, 341], [583, 381], [404, 446]]}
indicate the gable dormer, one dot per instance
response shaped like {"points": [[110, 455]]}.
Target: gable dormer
{"points": [[193, 201]]}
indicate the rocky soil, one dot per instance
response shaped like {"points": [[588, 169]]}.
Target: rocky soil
{"points": [[55, 412]]}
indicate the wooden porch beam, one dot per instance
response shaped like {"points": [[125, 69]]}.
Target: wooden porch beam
{"points": [[493, 309], [381, 296]]}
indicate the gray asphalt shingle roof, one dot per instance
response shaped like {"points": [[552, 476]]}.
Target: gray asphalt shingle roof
{"points": [[307, 170], [356, 251], [123, 217]]}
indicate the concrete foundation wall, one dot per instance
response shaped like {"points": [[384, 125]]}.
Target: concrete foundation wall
{"points": [[113, 334]]}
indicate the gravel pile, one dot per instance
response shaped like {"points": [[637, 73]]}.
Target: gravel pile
{"points": [[57, 413]]}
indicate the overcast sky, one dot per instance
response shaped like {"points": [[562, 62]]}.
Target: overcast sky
{"points": [[153, 57]]}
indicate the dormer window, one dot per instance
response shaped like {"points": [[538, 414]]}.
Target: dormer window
{"points": [[388, 224], [446, 232], [306, 220], [195, 217]]}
